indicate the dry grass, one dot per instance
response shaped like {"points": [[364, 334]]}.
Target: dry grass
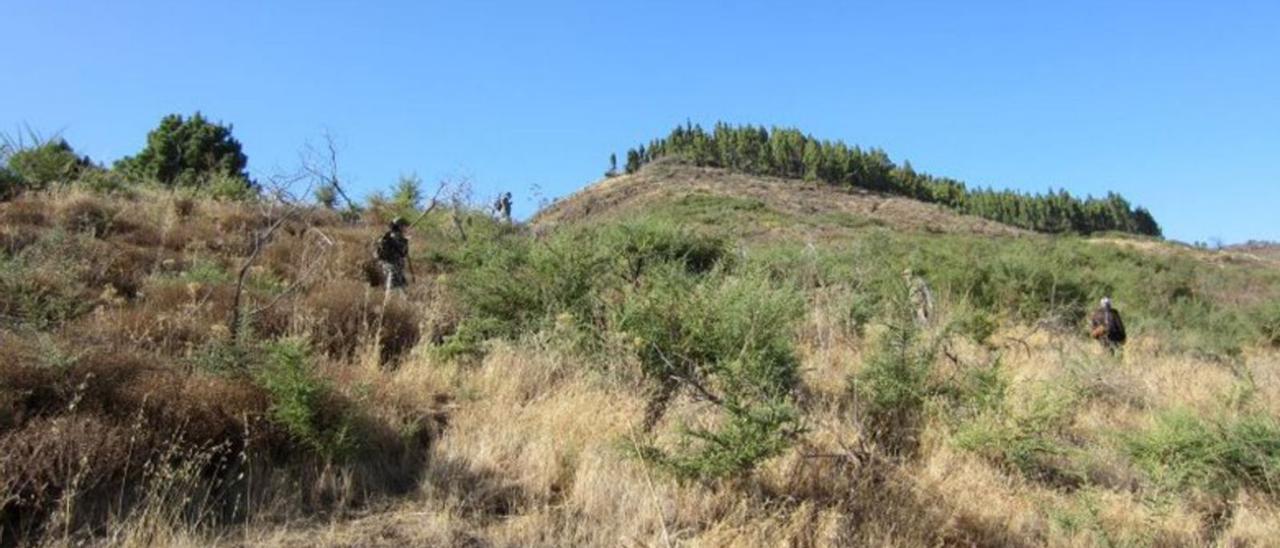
{"points": [[534, 454], [529, 446], [663, 182]]}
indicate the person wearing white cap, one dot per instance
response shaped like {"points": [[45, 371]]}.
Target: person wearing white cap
{"points": [[1105, 326]]}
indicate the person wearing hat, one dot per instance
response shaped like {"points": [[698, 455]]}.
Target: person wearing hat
{"points": [[1105, 326], [393, 252]]}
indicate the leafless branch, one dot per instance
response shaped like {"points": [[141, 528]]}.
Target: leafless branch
{"points": [[322, 164]]}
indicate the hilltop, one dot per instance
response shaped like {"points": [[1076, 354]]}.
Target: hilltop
{"points": [[778, 207], [680, 355]]}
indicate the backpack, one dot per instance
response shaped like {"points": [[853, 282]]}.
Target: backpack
{"points": [[391, 248]]}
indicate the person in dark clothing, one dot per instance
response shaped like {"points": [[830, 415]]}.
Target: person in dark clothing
{"points": [[503, 206], [1105, 326], [393, 252]]}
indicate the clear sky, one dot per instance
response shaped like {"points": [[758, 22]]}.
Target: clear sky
{"points": [[1174, 104]]}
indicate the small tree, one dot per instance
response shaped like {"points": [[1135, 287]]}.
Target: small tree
{"points": [[408, 193], [188, 152]]}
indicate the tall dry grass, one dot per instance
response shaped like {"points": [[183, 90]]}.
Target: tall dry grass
{"points": [[534, 453]]}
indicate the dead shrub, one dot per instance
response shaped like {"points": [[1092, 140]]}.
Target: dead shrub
{"points": [[238, 220], [348, 313], [139, 235], [123, 268], [15, 238], [24, 384], [184, 207], [399, 330], [169, 333], [87, 214], [121, 437], [177, 237], [320, 217], [206, 412], [283, 256], [173, 317], [169, 317], [25, 212], [81, 458], [341, 310]]}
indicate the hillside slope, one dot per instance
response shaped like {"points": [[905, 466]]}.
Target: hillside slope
{"points": [[820, 209], [680, 357]]}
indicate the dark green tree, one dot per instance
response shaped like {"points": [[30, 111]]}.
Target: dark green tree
{"points": [[188, 152]]}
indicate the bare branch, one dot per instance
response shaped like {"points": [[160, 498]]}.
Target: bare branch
{"points": [[322, 165]]}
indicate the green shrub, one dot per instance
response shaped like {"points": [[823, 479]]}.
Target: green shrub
{"points": [[977, 325], [511, 286], [227, 357], [1184, 450], [639, 246], [499, 289], [728, 339], [36, 292], [327, 196], [1267, 320], [105, 182], [894, 384], [1031, 440], [408, 193], [976, 391], [205, 272], [47, 163], [303, 403], [748, 437], [228, 187]]}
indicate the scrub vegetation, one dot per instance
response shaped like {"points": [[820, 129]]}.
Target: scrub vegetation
{"points": [[681, 355]]}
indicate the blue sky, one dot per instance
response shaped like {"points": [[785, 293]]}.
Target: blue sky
{"points": [[1174, 104]]}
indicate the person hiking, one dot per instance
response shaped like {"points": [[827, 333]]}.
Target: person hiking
{"points": [[919, 297], [503, 206], [392, 253], [1105, 326]]}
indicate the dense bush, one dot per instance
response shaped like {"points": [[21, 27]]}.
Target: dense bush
{"points": [[894, 384], [1188, 451], [1029, 439], [727, 339], [348, 314], [47, 163], [510, 286], [189, 152], [303, 403]]}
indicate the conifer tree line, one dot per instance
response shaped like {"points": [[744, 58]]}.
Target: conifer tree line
{"points": [[788, 153]]}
